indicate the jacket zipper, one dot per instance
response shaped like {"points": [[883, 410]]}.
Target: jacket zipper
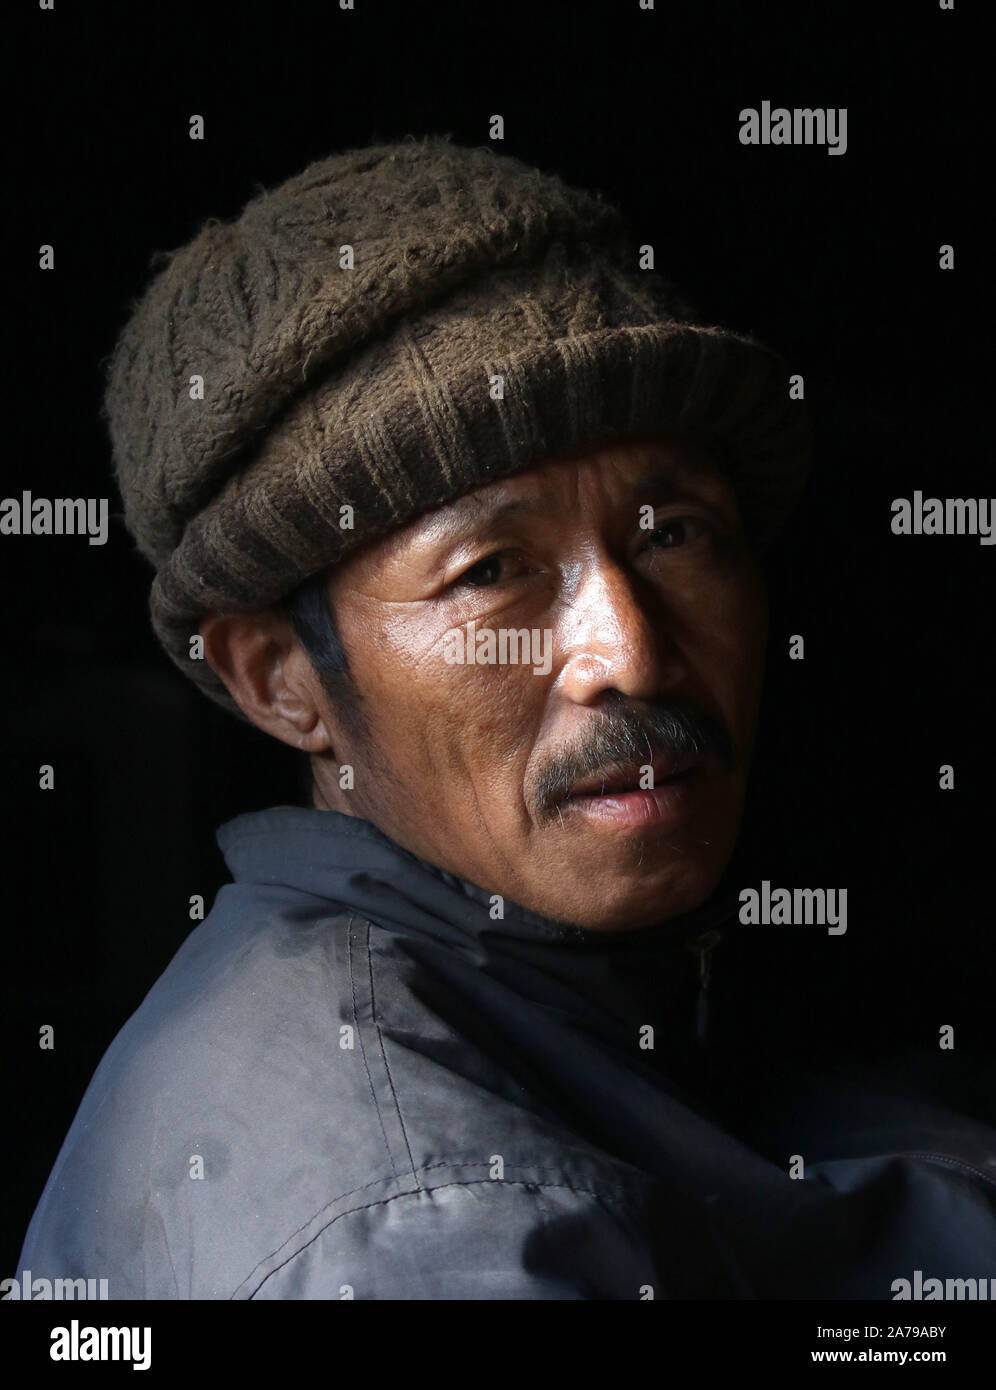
{"points": [[702, 946]]}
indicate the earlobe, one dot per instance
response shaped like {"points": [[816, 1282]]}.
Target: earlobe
{"points": [[291, 709], [297, 710]]}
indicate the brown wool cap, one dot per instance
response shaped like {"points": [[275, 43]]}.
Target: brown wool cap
{"points": [[374, 384]]}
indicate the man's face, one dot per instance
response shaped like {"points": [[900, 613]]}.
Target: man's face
{"points": [[614, 625]]}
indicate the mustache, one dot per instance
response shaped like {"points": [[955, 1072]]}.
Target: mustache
{"points": [[621, 734]]}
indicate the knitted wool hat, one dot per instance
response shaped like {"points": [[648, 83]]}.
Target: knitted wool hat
{"points": [[351, 328]]}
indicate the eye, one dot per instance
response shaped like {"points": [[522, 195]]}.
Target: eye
{"points": [[484, 573], [677, 531]]}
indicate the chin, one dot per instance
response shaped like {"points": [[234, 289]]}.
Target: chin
{"points": [[649, 901]]}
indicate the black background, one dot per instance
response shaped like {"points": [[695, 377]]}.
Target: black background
{"points": [[832, 260]]}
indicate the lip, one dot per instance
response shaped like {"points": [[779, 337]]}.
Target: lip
{"points": [[662, 807], [664, 769]]}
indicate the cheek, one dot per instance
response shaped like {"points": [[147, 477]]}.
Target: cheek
{"points": [[727, 626], [744, 663], [741, 625], [434, 716]]}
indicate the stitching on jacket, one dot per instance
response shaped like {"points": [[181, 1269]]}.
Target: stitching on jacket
{"points": [[377, 1182], [474, 1182], [387, 1068], [411, 1192], [359, 1034], [512, 1167]]}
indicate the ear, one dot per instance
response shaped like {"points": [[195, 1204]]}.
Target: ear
{"points": [[268, 676]]}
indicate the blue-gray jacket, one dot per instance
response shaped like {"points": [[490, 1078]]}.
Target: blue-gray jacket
{"points": [[356, 1079]]}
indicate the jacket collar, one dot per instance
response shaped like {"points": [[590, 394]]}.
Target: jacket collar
{"points": [[349, 861]]}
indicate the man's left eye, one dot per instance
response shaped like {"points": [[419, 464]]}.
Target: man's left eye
{"points": [[677, 531]]}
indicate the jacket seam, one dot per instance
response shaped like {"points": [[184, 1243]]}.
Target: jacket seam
{"points": [[387, 1065], [359, 1034], [376, 1182], [622, 1197], [472, 1182]]}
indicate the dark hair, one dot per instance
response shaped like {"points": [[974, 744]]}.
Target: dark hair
{"points": [[312, 617], [313, 620]]}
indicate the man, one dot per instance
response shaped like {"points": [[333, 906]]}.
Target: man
{"points": [[445, 492]]}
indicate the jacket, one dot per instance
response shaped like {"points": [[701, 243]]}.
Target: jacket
{"points": [[362, 1077]]}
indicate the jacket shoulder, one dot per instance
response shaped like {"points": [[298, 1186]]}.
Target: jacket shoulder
{"points": [[252, 1112], [207, 1123]]}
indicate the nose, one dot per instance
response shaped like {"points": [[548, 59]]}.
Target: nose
{"points": [[615, 636]]}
